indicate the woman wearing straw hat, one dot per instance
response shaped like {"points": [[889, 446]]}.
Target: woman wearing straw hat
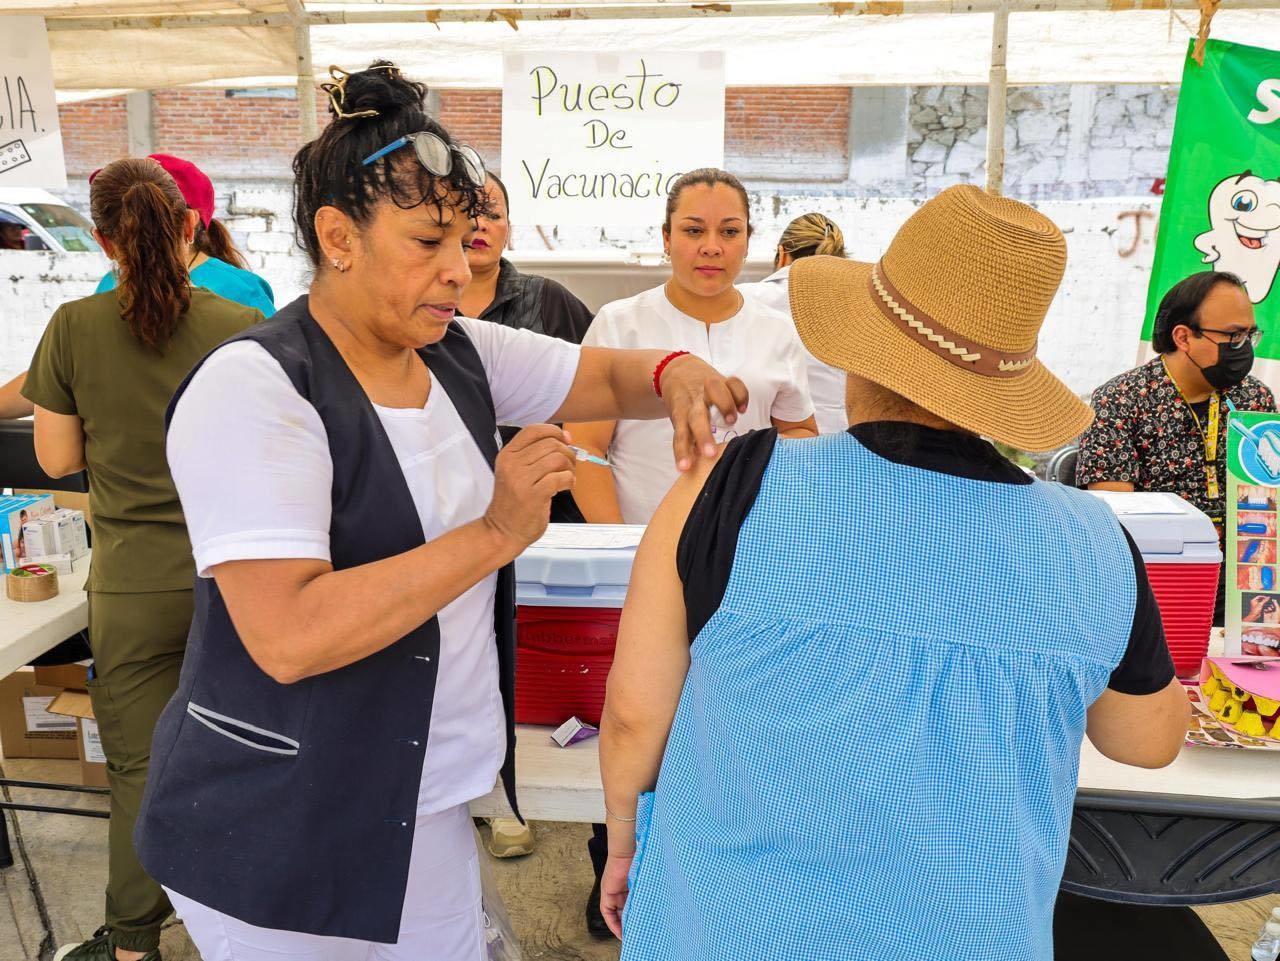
{"points": [[907, 791]]}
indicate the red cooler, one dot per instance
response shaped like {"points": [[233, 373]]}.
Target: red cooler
{"points": [[1180, 547], [570, 587]]}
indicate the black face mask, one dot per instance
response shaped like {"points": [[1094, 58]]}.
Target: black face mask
{"points": [[1233, 366]]}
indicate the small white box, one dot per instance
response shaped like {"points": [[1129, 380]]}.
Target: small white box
{"points": [[72, 538], [37, 539]]}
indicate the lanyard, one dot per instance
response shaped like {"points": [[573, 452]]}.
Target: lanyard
{"points": [[1209, 435]]}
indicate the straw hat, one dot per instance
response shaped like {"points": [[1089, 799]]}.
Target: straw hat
{"points": [[949, 317]]}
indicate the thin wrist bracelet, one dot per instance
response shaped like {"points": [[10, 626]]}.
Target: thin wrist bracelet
{"points": [[609, 813]]}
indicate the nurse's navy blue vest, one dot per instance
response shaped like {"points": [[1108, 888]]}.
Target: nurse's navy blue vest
{"points": [[293, 806]]}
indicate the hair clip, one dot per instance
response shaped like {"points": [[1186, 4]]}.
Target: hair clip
{"points": [[337, 91]]}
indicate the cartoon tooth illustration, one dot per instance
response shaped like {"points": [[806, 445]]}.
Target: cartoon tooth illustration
{"points": [[1244, 213]]}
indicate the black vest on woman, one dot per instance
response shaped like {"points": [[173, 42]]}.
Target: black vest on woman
{"points": [[293, 806]]}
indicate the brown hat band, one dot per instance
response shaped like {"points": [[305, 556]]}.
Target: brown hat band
{"points": [[950, 346]]}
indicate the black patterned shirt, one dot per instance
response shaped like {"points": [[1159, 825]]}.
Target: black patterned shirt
{"points": [[1146, 435]]}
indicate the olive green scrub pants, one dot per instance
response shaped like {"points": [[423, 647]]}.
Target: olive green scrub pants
{"points": [[138, 641]]}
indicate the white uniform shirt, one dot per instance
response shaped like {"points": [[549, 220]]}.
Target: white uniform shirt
{"points": [[756, 344], [250, 458], [826, 384]]}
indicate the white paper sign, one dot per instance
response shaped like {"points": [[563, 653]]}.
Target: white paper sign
{"points": [[30, 138], [596, 139], [40, 721], [92, 742]]}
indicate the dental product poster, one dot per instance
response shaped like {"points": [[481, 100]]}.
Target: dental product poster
{"points": [[30, 138], [1253, 577], [1221, 207], [591, 139]]}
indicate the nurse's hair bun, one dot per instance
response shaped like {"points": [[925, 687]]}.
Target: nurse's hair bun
{"points": [[373, 92]]}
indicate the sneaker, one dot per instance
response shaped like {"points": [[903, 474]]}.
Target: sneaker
{"points": [[509, 838], [97, 948]]}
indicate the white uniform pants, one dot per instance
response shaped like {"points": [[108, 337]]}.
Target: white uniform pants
{"points": [[442, 920]]}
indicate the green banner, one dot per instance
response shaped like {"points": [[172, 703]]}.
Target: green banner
{"points": [[1221, 207]]}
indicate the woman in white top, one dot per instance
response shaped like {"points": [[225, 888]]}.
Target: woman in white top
{"points": [[805, 236], [353, 534], [699, 311]]}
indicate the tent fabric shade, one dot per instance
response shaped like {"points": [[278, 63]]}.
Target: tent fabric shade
{"points": [[149, 44]]}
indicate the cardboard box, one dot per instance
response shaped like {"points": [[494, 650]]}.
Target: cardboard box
{"points": [[93, 761], [15, 511], [27, 729], [73, 676]]}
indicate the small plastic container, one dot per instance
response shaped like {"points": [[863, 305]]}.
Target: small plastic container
{"points": [[568, 603], [1179, 545]]}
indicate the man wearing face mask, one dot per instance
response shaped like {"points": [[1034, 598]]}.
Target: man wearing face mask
{"points": [[1163, 426]]}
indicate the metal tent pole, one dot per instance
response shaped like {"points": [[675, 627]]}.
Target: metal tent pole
{"points": [[310, 127], [997, 90]]}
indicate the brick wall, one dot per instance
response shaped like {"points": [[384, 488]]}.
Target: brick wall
{"points": [[796, 121], [787, 133], [228, 136], [94, 132], [474, 117]]}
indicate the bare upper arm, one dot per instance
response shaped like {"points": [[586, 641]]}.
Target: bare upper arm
{"points": [[594, 435], [59, 442], [652, 655], [1145, 730], [262, 598], [591, 394]]}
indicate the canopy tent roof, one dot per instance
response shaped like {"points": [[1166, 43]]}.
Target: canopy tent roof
{"points": [[102, 45]]}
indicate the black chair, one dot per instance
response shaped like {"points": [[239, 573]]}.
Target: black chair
{"points": [[19, 467]]}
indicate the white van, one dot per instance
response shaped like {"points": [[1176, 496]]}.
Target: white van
{"points": [[47, 222]]}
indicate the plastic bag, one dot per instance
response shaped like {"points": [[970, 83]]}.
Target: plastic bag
{"points": [[499, 936]]}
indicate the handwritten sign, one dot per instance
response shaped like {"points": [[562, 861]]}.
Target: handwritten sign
{"points": [[598, 139], [30, 139]]}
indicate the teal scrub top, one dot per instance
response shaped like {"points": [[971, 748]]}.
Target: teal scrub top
{"points": [[241, 286]]}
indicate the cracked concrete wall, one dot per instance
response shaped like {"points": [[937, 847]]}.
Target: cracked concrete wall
{"points": [[1061, 142]]}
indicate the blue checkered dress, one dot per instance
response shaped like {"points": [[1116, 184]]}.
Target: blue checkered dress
{"points": [[875, 753]]}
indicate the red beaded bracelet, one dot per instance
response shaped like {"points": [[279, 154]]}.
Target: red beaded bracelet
{"points": [[662, 365]]}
